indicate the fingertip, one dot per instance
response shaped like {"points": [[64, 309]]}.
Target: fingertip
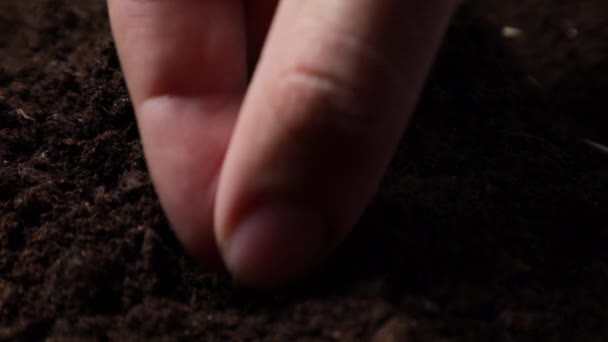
{"points": [[275, 245], [184, 140]]}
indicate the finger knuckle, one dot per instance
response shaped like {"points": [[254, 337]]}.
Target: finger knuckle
{"points": [[319, 99]]}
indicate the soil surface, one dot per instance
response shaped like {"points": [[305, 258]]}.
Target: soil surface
{"points": [[491, 224]]}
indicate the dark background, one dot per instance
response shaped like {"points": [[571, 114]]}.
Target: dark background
{"points": [[491, 224]]}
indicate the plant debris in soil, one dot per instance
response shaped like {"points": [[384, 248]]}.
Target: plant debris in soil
{"points": [[491, 223]]}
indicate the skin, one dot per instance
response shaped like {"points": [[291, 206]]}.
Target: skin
{"points": [[266, 142]]}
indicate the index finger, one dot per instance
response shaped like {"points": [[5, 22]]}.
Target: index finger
{"points": [[185, 66]]}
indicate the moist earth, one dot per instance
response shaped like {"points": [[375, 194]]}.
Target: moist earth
{"points": [[491, 223]]}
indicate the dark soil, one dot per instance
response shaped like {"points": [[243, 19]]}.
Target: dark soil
{"points": [[492, 223]]}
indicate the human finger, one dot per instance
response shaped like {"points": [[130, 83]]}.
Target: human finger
{"points": [[185, 66], [333, 91]]}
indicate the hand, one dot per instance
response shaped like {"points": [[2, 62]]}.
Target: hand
{"points": [[272, 174]]}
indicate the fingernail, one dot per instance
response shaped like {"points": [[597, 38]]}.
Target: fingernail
{"points": [[275, 245]]}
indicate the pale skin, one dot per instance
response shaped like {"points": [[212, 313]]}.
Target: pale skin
{"points": [[267, 174]]}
